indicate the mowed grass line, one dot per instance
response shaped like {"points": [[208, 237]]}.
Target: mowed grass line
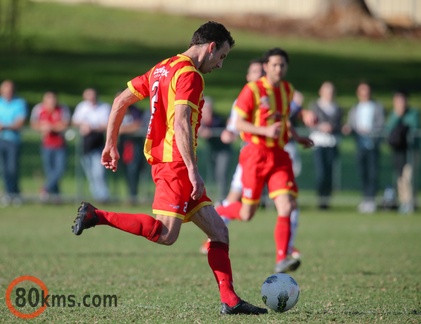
{"points": [[356, 268]]}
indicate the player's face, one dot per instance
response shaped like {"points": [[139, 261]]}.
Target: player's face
{"points": [[275, 69], [254, 72], [215, 57]]}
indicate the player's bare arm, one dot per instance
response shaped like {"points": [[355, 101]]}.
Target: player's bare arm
{"points": [[271, 131], [184, 141], [304, 141], [110, 155]]}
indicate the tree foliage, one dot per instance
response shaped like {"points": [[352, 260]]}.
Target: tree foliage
{"points": [[9, 23]]}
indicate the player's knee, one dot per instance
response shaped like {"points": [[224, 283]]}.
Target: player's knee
{"points": [[224, 233], [220, 234], [246, 214], [167, 239], [246, 217]]}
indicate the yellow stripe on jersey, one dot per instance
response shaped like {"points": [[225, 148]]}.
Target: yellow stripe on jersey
{"points": [[285, 101], [272, 104], [255, 115], [134, 91], [167, 155], [181, 58]]}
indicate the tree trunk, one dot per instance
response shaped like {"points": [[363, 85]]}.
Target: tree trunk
{"points": [[347, 17]]}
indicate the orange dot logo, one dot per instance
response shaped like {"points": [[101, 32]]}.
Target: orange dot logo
{"points": [[22, 298]]}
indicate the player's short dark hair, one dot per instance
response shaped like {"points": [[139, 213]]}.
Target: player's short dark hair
{"points": [[212, 32], [275, 52], [401, 92]]}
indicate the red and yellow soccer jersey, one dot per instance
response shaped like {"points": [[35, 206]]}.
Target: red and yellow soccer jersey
{"points": [[262, 105], [172, 82]]}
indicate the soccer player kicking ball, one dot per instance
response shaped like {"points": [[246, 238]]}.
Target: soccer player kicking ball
{"points": [[175, 88]]}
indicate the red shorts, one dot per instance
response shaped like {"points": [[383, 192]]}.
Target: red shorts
{"points": [[173, 189], [263, 165]]}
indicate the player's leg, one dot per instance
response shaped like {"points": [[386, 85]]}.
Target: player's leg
{"points": [[292, 149], [295, 213], [236, 187], [138, 224], [284, 204], [253, 163], [171, 199], [207, 219], [282, 189], [234, 195]]}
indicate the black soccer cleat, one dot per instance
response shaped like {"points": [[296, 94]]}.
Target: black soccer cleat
{"points": [[86, 218], [242, 307]]}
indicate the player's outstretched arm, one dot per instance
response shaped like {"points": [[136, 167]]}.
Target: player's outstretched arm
{"points": [[110, 155], [304, 141]]}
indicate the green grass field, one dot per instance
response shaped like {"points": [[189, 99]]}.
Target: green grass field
{"points": [[356, 269]]}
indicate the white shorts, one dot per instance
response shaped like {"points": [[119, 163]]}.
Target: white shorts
{"points": [[292, 149], [236, 184]]}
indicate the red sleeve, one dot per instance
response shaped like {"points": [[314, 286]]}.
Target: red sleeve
{"points": [[139, 86], [245, 103]]}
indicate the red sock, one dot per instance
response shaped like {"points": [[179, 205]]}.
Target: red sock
{"points": [[137, 224], [232, 211], [220, 264], [282, 234]]}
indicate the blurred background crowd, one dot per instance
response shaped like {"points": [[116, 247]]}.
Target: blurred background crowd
{"points": [[58, 84]]}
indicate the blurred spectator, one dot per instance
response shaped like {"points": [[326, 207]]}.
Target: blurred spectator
{"points": [[401, 127], [365, 122], [51, 120], [297, 115], [131, 148], [220, 153], [91, 117], [325, 135], [13, 112]]}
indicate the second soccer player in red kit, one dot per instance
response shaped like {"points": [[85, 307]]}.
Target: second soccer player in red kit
{"points": [[263, 121], [175, 88]]}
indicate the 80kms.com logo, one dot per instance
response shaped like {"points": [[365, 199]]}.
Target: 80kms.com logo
{"points": [[20, 297]]}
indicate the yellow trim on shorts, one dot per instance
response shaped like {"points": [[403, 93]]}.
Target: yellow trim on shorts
{"points": [[194, 210], [250, 201], [280, 192], [185, 218], [167, 213]]}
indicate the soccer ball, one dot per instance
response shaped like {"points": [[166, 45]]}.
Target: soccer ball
{"points": [[280, 292]]}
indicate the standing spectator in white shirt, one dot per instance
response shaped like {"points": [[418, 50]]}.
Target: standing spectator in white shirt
{"points": [[91, 117], [365, 121]]}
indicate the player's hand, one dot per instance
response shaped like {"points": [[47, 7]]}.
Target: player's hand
{"points": [[306, 142], [110, 157], [273, 131], [228, 137], [197, 183]]}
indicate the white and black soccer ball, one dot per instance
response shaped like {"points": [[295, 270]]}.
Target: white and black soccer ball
{"points": [[280, 292]]}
